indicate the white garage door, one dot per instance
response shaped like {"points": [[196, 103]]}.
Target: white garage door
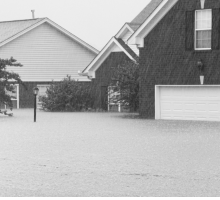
{"points": [[189, 103]]}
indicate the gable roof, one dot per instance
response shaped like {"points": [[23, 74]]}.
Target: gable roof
{"points": [[146, 12], [132, 27], [104, 53], [140, 18], [10, 30], [151, 21]]}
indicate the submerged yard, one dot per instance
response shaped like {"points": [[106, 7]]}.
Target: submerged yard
{"points": [[107, 154]]}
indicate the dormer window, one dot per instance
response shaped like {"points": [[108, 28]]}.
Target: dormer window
{"points": [[203, 29]]}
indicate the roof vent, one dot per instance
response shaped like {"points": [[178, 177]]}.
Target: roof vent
{"points": [[33, 14]]}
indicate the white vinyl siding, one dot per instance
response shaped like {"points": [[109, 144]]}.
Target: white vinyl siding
{"points": [[203, 29], [47, 54]]}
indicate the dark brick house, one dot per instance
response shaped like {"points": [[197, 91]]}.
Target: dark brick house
{"points": [[100, 70], [179, 42], [115, 53]]}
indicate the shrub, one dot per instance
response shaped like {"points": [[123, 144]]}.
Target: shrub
{"points": [[125, 81], [67, 95]]}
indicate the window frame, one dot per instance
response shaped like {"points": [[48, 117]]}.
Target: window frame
{"points": [[17, 96], [195, 30]]}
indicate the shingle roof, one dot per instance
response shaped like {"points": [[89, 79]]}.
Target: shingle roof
{"points": [[10, 28], [146, 12], [128, 49]]}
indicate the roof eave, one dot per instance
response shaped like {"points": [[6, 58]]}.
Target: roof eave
{"points": [[123, 29], [100, 58], [137, 38]]}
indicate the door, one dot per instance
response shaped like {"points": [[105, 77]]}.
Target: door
{"points": [[189, 103], [113, 97], [104, 98]]}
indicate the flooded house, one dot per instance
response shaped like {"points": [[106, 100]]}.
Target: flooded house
{"points": [[179, 45]]}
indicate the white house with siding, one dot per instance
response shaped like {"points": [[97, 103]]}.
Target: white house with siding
{"points": [[47, 52]]}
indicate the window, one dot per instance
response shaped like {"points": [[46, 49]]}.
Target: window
{"points": [[15, 96], [203, 29]]}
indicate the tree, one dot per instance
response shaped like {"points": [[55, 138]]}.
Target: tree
{"points": [[125, 80], [7, 80], [67, 95]]}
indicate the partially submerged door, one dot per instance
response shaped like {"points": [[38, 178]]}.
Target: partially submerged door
{"points": [[104, 98], [113, 99]]}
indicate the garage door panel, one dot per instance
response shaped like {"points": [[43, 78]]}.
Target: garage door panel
{"points": [[190, 103], [189, 107], [214, 107], [166, 106], [201, 107]]}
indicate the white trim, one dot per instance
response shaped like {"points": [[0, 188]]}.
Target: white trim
{"points": [[55, 26], [121, 32], [100, 58], [18, 96], [138, 37], [202, 49], [187, 85], [119, 45], [157, 102]]}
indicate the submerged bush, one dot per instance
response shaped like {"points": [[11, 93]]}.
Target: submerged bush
{"points": [[67, 95]]}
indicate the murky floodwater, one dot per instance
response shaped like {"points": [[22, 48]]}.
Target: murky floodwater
{"points": [[102, 154]]}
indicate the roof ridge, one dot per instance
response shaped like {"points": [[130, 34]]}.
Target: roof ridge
{"points": [[22, 20]]}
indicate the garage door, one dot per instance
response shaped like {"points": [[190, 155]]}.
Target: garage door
{"points": [[189, 103]]}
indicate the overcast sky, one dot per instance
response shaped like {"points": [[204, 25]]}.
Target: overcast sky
{"points": [[94, 21]]}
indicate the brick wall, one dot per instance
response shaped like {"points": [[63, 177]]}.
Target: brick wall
{"points": [[164, 59], [103, 76]]}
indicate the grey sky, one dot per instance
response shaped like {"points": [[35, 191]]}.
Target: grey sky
{"points": [[94, 21]]}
